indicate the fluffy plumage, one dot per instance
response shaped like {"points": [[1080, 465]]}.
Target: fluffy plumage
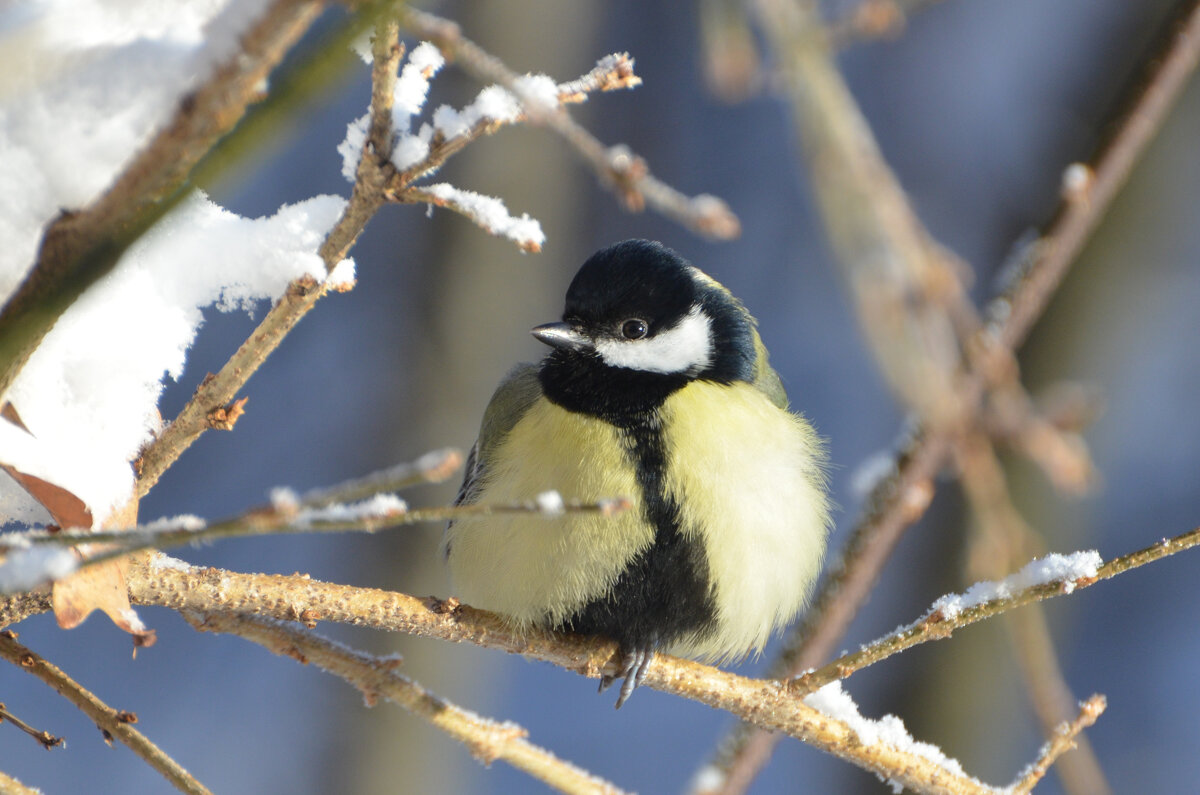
{"points": [[657, 387]]}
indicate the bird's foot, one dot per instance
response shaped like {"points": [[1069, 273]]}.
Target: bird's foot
{"points": [[633, 670]]}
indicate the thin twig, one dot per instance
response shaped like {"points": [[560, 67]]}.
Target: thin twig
{"points": [[113, 723], [617, 167], [44, 738], [377, 182], [487, 740], [218, 391], [1168, 72], [284, 518], [936, 625], [1000, 539], [904, 288], [1063, 740], [433, 467]]}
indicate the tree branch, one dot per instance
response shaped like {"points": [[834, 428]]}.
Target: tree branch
{"points": [[43, 737], [487, 740], [10, 785], [113, 723], [617, 167], [80, 247], [939, 623], [299, 598], [1063, 740]]}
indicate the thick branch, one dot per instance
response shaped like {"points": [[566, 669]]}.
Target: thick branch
{"points": [[487, 740], [762, 702], [80, 247]]}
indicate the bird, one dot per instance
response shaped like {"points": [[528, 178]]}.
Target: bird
{"points": [[656, 387]]}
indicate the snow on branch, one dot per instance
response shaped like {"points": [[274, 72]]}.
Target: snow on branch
{"points": [[626, 174], [88, 396], [1053, 575], [487, 212], [889, 730], [421, 152]]}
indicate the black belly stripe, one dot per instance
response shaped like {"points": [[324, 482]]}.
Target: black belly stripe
{"points": [[664, 594]]}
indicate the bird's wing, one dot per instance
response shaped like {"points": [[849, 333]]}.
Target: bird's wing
{"points": [[516, 393], [766, 380]]}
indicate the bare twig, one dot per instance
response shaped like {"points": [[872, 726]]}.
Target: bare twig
{"points": [[617, 167], [80, 247], [487, 740], [903, 285], [44, 738], [1168, 72], [113, 723], [433, 467]]}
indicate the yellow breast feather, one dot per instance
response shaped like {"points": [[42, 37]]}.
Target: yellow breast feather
{"points": [[748, 477], [534, 568]]}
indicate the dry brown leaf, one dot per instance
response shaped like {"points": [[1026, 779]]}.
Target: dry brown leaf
{"points": [[102, 587], [98, 587]]}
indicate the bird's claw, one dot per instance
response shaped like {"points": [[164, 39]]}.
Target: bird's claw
{"points": [[633, 670]]}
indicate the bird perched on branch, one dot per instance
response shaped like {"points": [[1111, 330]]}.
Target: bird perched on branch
{"points": [[657, 388]]}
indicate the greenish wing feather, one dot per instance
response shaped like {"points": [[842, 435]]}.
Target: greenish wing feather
{"points": [[516, 393], [765, 378]]}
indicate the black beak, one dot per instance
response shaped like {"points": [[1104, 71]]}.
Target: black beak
{"points": [[562, 336]]}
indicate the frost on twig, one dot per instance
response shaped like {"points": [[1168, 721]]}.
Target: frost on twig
{"points": [[38, 557], [1052, 575], [1062, 740]]}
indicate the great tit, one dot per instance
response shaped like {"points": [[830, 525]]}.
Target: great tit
{"points": [[656, 388]]}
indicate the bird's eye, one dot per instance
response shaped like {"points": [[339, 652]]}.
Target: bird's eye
{"points": [[634, 329]]}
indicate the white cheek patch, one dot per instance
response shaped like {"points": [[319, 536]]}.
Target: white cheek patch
{"points": [[685, 347]]}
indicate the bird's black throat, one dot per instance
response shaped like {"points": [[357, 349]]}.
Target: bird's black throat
{"points": [[664, 593]]}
